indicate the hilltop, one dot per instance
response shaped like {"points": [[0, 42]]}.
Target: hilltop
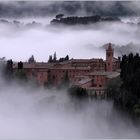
{"points": [[74, 20]]}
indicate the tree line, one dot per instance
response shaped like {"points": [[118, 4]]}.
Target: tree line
{"points": [[53, 58], [73, 20], [128, 96]]}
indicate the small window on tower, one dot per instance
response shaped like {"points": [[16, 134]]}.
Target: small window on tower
{"points": [[109, 54]]}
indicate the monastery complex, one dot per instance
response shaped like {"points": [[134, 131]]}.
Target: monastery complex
{"points": [[91, 74]]}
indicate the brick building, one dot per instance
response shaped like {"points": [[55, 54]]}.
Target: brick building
{"points": [[91, 74]]}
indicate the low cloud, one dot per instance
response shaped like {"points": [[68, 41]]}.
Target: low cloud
{"points": [[47, 8], [20, 43], [27, 112]]}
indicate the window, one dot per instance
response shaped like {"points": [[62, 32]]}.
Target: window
{"points": [[53, 76]]}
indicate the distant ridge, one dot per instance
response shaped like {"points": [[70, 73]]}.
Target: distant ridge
{"points": [[74, 20]]}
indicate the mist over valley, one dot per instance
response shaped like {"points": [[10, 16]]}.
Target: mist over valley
{"points": [[24, 39], [36, 112], [39, 113]]}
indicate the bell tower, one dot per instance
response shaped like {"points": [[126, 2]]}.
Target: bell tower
{"points": [[109, 58]]}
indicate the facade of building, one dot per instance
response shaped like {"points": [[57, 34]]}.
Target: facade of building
{"points": [[91, 74]]}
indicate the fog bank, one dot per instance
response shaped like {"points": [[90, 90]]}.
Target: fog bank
{"points": [[27, 112], [19, 43]]}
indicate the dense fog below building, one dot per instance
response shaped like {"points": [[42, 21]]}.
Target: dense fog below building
{"points": [[27, 112]]}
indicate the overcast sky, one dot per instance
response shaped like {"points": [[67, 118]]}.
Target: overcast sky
{"points": [[47, 8]]}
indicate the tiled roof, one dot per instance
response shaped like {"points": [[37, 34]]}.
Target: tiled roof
{"points": [[105, 73], [82, 60], [71, 68], [88, 60], [115, 59], [98, 73], [113, 75], [96, 88], [83, 81], [38, 65]]}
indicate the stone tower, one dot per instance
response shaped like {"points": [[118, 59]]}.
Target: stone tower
{"points": [[109, 58]]}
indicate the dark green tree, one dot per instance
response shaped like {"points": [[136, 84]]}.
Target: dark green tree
{"points": [[129, 94], [54, 57], [31, 59], [67, 57], [50, 59], [9, 69], [20, 74], [20, 65], [59, 16], [77, 92]]}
